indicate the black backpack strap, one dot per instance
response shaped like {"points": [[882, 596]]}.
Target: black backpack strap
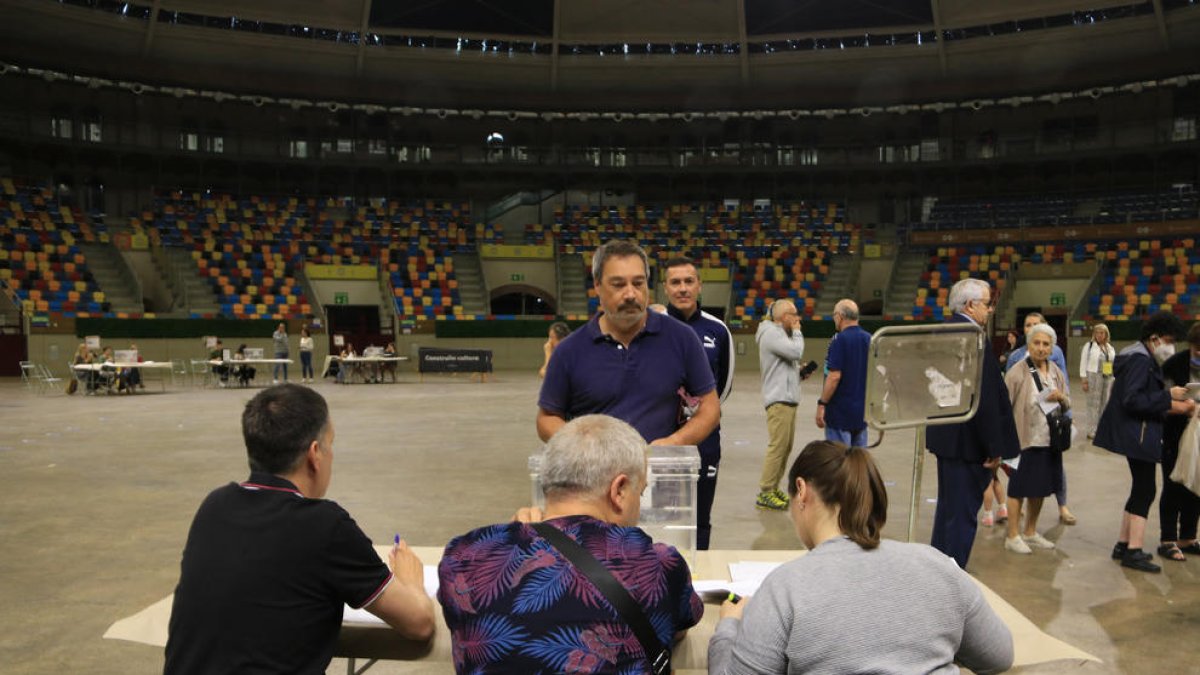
{"points": [[613, 591]]}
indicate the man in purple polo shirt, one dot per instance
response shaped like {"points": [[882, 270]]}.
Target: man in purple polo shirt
{"points": [[629, 363]]}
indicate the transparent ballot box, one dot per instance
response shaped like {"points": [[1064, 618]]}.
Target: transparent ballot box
{"points": [[669, 502]]}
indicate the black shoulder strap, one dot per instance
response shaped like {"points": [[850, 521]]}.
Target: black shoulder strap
{"points": [[1033, 371], [614, 592]]}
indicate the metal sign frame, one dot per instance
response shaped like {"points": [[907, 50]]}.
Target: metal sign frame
{"points": [[876, 379]]}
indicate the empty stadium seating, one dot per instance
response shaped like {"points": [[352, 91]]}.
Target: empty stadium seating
{"points": [[41, 265]]}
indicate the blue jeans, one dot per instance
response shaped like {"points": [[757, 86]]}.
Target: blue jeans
{"points": [[306, 369], [854, 439], [275, 375]]}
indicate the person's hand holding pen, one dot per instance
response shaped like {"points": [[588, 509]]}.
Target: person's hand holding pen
{"points": [[733, 606], [406, 566]]}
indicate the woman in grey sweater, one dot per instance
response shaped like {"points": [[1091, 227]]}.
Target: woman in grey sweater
{"points": [[854, 603]]}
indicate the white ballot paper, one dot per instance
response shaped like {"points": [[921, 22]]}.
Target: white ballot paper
{"points": [[1046, 406], [745, 578], [351, 615]]}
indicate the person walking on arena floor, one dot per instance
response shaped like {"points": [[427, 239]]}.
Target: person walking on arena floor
{"points": [[269, 564], [840, 410], [1057, 357], [1032, 385], [1131, 425], [1096, 371], [683, 286], [780, 348], [279, 340], [628, 362], [306, 354], [968, 451]]}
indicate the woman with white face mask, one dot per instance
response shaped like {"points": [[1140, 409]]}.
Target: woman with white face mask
{"points": [[1132, 425]]}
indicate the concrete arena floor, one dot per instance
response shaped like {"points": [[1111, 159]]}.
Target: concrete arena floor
{"points": [[98, 493]]}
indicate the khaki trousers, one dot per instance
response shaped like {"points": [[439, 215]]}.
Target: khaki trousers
{"points": [[781, 433]]}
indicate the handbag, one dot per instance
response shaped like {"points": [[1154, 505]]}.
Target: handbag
{"points": [[614, 592], [1058, 423], [1187, 463]]}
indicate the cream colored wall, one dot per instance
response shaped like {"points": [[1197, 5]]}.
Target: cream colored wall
{"points": [[153, 288], [508, 353], [537, 273], [873, 276], [361, 292], [1037, 292]]}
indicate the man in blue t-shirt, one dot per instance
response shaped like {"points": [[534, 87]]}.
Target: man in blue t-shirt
{"points": [[843, 398], [629, 363]]}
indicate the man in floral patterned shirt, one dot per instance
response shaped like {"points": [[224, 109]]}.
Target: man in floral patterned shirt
{"points": [[514, 604]]}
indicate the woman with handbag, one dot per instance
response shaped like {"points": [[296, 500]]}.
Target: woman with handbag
{"points": [[1178, 507], [1035, 386], [1132, 425]]}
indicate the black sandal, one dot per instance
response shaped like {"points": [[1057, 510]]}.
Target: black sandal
{"points": [[1193, 548], [1171, 551]]}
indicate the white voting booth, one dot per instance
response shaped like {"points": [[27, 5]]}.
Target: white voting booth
{"points": [[919, 376]]}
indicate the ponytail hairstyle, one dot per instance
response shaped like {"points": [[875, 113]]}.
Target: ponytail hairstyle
{"points": [[847, 478]]}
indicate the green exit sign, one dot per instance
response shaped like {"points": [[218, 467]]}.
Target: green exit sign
{"points": [[516, 277], [341, 298], [1058, 299]]}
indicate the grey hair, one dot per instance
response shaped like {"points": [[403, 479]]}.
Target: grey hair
{"points": [[586, 454], [619, 248], [847, 308], [965, 291], [1044, 328]]}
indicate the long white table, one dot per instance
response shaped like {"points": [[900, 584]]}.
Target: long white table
{"points": [[376, 641], [113, 366], [359, 360]]}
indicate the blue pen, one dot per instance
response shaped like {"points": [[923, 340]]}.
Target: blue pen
{"points": [[396, 541]]}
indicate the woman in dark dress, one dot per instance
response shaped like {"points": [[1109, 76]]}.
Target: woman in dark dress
{"points": [[1039, 471]]}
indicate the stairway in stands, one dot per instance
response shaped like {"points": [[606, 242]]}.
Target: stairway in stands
{"points": [[906, 276], [471, 289], [114, 277]]}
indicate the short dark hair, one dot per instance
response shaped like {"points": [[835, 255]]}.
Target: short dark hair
{"points": [[1193, 335], [679, 261], [846, 477], [279, 424], [619, 248], [561, 329], [1163, 324]]}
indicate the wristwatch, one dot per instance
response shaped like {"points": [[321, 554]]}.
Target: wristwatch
{"points": [[820, 402]]}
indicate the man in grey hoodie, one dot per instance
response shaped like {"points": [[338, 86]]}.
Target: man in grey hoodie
{"points": [[780, 348]]}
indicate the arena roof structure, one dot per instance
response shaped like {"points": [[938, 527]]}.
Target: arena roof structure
{"points": [[609, 55]]}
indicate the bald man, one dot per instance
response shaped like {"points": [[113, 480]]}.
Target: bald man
{"points": [[780, 348], [844, 394]]}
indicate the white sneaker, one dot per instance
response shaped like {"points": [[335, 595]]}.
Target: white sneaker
{"points": [[1017, 545], [274, 381], [1038, 541]]}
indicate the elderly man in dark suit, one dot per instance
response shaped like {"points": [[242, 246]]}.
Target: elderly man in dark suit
{"points": [[967, 452]]}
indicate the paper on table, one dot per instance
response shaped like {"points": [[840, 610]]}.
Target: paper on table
{"points": [[753, 571], [351, 615], [746, 577], [717, 589]]}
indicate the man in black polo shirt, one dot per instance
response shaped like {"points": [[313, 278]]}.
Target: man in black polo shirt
{"points": [[269, 563]]}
